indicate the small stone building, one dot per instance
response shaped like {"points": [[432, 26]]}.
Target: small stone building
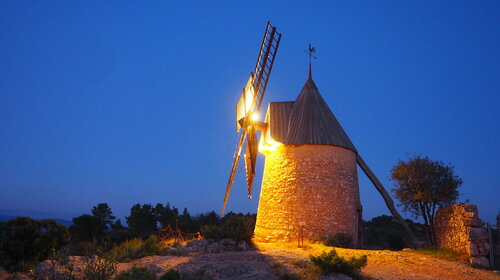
{"points": [[310, 183]]}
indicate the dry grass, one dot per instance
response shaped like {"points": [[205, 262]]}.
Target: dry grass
{"points": [[445, 254]]}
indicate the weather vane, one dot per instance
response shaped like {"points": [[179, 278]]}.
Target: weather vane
{"points": [[311, 51]]}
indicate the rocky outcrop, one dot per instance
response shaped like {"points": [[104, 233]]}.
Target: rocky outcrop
{"points": [[458, 227]]}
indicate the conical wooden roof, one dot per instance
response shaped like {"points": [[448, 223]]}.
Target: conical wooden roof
{"points": [[312, 122]]}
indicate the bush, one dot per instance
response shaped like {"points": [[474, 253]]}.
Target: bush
{"points": [[341, 240], [60, 268], [331, 263], [234, 226], [135, 249], [98, 268], [136, 273], [25, 242], [171, 274], [395, 242]]}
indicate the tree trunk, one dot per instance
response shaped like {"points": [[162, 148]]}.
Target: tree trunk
{"points": [[427, 226], [387, 199]]}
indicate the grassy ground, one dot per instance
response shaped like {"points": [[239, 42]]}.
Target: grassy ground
{"points": [[445, 254]]}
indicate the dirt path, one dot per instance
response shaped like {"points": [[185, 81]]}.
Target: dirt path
{"points": [[385, 264]]}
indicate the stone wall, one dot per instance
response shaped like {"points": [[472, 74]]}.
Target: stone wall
{"points": [[309, 191], [458, 227]]}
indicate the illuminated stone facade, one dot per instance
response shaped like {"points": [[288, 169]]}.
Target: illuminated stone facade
{"points": [[458, 227], [309, 191]]}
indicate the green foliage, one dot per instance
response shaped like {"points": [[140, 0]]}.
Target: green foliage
{"points": [[341, 240], [25, 242], [166, 215], [104, 213], [171, 274], [117, 225], [395, 242], [442, 253], [135, 249], [233, 226], [422, 186], [330, 262], [142, 220], [87, 228], [136, 273], [377, 231], [98, 268]]}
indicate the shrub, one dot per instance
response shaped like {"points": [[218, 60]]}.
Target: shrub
{"points": [[98, 268], [171, 274], [135, 249], [395, 242], [60, 268], [136, 273], [234, 226], [331, 263], [341, 240], [25, 242]]}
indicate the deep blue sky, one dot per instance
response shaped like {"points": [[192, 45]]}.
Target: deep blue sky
{"points": [[123, 102]]}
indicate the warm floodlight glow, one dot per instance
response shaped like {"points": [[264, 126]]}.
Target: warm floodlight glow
{"points": [[246, 103], [267, 144], [254, 117]]}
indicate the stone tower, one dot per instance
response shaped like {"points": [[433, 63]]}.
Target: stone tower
{"points": [[310, 184]]}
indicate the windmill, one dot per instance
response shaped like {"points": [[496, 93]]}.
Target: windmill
{"points": [[310, 184], [247, 106]]}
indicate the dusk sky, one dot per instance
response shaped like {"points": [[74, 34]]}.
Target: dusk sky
{"points": [[134, 102]]}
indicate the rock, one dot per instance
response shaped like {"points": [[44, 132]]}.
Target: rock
{"points": [[155, 269], [474, 251], [18, 277], [481, 262], [476, 222], [336, 276], [198, 243], [228, 243], [478, 234], [215, 248], [242, 245], [44, 267]]}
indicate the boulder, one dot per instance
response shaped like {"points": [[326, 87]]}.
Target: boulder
{"points": [[478, 234], [481, 262], [242, 245]]}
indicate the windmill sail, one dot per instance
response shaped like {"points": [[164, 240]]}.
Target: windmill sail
{"points": [[248, 103], [251, 158]]}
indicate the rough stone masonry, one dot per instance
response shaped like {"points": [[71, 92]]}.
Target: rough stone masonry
{"points": [[308, 190], [458, 227]]}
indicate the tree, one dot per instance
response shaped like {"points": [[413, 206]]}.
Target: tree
{"points": [[142, 220], [166, 215], [422, 186], [24, 241], [87, 228], [117, 225], [104, 213]]}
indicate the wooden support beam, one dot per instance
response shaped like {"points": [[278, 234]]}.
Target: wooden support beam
{"points": [[387, 198], [260, 126]]}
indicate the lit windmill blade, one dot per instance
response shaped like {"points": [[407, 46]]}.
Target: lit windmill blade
{"points": [[251, 158], [234, 168], [249, 103], [246, 103]]}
